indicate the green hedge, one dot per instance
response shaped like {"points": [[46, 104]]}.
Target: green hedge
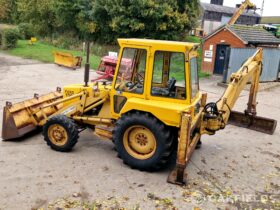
{"points": [[26, 30], [9, 38]]}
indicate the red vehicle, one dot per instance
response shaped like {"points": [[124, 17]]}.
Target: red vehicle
{"points": [[108, 65]]}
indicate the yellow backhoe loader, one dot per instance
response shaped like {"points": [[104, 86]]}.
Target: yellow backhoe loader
{"points": [[151, 108]]}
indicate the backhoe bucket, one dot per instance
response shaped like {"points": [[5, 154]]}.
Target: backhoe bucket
{"points": [[261, 124], [24, 117]]}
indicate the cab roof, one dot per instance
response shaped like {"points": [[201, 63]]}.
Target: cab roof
{"points": [[157, 43]]}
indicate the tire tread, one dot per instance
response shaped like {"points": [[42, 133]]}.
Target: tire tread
{"points": [[153, 124], [71, 129]]}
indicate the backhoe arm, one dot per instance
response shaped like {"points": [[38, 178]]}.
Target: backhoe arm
{"points": [[217, 115], [245, 5], [250, 71]]}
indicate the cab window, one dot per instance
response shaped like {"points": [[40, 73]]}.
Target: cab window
{"points": [[131, 74], [194, 76], [169, 75]]}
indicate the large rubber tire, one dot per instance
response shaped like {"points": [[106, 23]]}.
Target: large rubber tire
{"points": [[162, 136], [70, 128]]}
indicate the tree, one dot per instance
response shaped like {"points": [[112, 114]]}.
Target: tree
{"points": [[105, 20], [65, 13], [144, 18], [7, 11], [85, 21], [40, 13]]}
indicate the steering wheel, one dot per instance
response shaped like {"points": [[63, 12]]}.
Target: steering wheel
{"points": [[130, 85], [171, 84], [139, 78]]}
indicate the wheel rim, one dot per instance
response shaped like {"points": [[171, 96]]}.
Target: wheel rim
{"points": [[139, 142], [57, 134]]}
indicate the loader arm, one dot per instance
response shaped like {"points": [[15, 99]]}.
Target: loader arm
{"points": [[245, 5]]}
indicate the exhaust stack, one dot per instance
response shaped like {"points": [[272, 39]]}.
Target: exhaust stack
{"points": [[87, 66]]}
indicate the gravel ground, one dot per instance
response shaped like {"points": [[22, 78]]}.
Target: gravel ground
{"points": [[235, 169]]}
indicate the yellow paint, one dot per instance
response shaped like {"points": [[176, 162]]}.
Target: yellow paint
{"points": [[67, 60], [247, 4], [78, 99], [105, 112], [57, 135], [33, 40], [168, 110], [139, 142], [250, 71]]}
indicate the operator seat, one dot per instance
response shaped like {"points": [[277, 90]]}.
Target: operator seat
{"points": [[158, 91]]}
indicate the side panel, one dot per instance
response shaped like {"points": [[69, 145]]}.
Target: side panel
{"points": [[168, 113]]}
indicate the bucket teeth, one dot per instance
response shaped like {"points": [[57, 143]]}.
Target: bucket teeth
{"points": [[36, 95], [9, 104]]}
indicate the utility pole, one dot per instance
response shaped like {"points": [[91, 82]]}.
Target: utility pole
{"points": [[262, 9]]}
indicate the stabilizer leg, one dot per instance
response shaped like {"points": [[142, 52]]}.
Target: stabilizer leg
{"points": [[186, 146]]}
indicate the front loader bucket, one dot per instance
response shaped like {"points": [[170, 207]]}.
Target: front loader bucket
{"points": [[22, 118], [261, 124]]}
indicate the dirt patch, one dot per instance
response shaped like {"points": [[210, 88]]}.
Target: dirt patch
{"points": [[277, 156], [7, 60]]}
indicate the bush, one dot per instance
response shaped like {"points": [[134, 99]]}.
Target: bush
{"points": [[66, 40], [103, 49], [26, 30], [9, 38]]}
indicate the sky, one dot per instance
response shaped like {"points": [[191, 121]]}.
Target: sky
{"points": [[271, 7]]}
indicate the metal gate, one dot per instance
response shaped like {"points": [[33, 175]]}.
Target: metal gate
{"points": [[271, 62]]}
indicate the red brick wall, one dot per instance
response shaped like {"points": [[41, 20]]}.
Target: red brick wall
{"points": [[222, 37]]}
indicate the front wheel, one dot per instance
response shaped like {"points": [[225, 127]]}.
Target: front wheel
{"points": [[142, 141], [60, 133]]}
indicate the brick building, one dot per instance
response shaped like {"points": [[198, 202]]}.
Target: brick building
{"points": [[217, 44]]}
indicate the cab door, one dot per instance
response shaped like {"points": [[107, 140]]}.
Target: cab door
{"points": [[169, 77], [131, 76]]}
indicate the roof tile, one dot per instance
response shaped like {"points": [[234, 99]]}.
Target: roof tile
{"points": [[253, 34]]}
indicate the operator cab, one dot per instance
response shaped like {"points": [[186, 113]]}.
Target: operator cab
{"points": [[159, 70]]}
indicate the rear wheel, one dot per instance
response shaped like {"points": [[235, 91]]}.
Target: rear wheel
{"points": [[142, 141], [60, 133]]}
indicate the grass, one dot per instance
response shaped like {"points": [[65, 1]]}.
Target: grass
{"points": [[195, 39], [44, 52]]}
